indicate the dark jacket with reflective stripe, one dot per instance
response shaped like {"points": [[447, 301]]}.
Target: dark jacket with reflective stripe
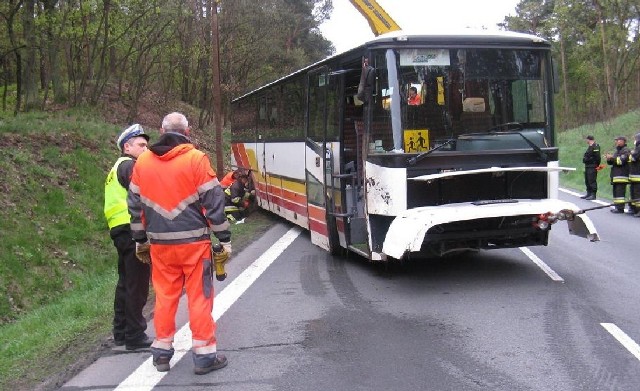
{"points": [[619, 166], [174, 195], [634, 163]]}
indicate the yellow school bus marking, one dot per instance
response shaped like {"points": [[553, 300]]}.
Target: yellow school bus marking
{"points": [[416, 140]]}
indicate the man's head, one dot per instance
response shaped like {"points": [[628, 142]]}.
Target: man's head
{"points": [[590, 139], [176, 123], [620, 140], [133, 141]]}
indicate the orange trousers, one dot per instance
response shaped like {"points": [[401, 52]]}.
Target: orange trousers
{"points": [[175, 266]]}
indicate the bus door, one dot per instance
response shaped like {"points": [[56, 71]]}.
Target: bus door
{"points": [[350, 216], [321, 151]]}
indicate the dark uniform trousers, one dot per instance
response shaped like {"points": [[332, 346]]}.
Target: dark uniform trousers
{"points": [[591, 179], [132, 288]]}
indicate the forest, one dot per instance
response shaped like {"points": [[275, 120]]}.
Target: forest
{"points": [[77, 52]]}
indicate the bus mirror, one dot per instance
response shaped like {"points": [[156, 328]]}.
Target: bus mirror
{"points": [[365, 87]]}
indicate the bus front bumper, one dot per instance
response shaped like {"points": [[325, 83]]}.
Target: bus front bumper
{"points": [[409, 231]]}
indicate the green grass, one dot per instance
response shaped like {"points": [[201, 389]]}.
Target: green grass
{"points": [[573, 145]]}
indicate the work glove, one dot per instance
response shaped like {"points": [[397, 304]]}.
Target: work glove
{"points": [[227, 247], [143, 252], [219, 259]]}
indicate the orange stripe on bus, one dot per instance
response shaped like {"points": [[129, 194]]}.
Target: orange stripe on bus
{"points": [[317, 213]]}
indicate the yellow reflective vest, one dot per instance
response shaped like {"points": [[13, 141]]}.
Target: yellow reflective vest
{"points": [[115, 198]]}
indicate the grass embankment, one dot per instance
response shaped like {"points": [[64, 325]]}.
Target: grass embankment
{"points": [[573, 145], [57, 262]]}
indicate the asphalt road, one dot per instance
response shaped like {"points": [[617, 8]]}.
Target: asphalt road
{"points": [[561, 317]]}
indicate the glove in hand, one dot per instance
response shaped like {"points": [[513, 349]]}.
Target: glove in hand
{"points": [[143, 252], [219, 259], [227, 247]]}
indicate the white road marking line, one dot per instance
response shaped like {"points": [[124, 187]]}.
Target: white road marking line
{"points": [[145, 377], [545, 268], [623, 338], [573, 193]]}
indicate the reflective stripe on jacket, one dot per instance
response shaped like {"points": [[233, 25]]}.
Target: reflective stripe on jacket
{"points": [[619, 166], [115, 197], [634, 164], [175, 197]]}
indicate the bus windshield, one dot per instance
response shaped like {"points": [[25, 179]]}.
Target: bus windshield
{"points": [[427, 96]]}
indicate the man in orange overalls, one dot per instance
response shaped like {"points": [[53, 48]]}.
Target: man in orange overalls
{"points": [[175, 202]]}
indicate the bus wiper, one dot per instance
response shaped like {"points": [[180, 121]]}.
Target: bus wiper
{"points": [[539, 151], [412, 161], [542, 154]]}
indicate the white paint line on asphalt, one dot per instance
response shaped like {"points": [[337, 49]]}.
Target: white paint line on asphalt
{"points": [[573, 193], [545, 268], [623, 338], [145, 377]]}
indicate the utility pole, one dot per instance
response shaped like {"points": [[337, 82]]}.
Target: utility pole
{"points": [[216, 95]]}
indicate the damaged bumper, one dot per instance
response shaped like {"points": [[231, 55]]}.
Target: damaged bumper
{"points": [[408, 231]]}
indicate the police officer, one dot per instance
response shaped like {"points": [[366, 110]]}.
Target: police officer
{"points": [[634, 176], [132, 289], [591, 161], [618, 160]]}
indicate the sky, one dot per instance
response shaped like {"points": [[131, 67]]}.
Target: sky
{"points": [[347, 28]]}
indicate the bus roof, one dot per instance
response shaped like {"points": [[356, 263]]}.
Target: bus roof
{"points": [[457, 36], [408, 37]]}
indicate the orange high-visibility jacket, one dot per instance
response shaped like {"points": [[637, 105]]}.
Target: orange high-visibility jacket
{"points": [[174, 196]]}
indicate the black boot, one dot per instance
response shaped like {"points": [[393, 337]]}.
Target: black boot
{"points": [[161, 358], [590, 197], [205, 363]]}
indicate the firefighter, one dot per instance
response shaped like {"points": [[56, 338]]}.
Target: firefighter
{"points": [[176, 202], [634, 176], [237, 198], [619, 172], [591, 160], [132, 288]]}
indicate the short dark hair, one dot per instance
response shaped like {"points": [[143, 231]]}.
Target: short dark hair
{"points": [[590, 137]]}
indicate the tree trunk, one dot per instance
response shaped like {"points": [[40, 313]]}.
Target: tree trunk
{"points": [[565, 81], [59, 94], [30, 63], [216, 96], [605, 57]]}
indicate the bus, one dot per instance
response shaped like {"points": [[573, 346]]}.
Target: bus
{"points": [[412, 145]]}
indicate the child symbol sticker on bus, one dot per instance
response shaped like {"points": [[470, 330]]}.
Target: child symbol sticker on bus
{"points": [[416, 140]]}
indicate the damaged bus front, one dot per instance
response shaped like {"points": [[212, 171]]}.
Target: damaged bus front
{"points": [[459, 146]]}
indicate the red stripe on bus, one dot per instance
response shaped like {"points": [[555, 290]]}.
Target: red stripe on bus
{"points": [[319, 227]]}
